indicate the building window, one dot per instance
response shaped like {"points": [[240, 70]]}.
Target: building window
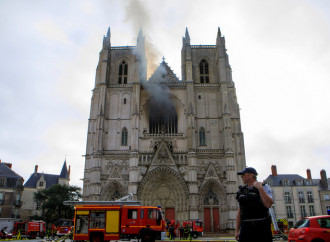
{"points": [[124, 100], [285, 183], [202, 140], [124, 135], [2, 182], [41, 184], [1, 198], [326, 197], [18, 199], [287, 197], [122, 73], [289, 212], [327, 208], [310, 197], [204, 71], [163, 118], [38, 207], [311, 210], [299, 182], [301, 197], [303, 211]]}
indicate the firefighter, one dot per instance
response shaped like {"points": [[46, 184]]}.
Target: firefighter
{"points": [[181, 230], [253, 222], [186, 231], [172, 233]]}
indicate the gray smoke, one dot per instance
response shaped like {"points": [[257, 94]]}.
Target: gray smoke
{"points": [[137, 15]]}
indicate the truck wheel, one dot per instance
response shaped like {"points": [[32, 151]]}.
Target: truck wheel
{"points": [[96, 238], [195, 235], [147, 235]]}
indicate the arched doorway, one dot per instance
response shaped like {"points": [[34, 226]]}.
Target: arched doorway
{"points": [[163, 186], [213, 197]]}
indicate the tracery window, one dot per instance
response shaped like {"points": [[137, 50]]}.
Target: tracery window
{"points": [[124, 135], [202, 140], [122, 73], [211, 198], [204, 71], [116, 195], [163, 118]]}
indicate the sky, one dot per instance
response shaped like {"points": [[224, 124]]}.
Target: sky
{"points": [[279, 52]]}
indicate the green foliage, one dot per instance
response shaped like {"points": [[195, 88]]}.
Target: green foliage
{"points": [[52, 202]]}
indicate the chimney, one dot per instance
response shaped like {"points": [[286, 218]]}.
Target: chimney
{"points": [[35, 170], [274, 170], [324, 179], [309, 175], [8, 164]]}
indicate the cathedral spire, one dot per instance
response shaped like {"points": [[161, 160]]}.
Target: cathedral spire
{"points": [[219, 37], [140, 39], [186, 39], [106, 40]]}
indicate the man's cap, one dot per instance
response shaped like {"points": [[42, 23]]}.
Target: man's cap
{"points": [[248, 170]]}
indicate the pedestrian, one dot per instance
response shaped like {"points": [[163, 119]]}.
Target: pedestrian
{"points": [[253, 222]]}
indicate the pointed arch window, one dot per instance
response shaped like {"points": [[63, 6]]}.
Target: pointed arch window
{"points": [[124, 135], [204, 71], [202, 140], [122, 73]]}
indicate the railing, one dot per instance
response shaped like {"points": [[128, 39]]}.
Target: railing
{"points": [[163, 135], [203, 46]]}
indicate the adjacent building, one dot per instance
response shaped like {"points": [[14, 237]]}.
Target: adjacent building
{"points": [[11, 189], [169, 142], [295, 196], [37, 182], [324, 190]]}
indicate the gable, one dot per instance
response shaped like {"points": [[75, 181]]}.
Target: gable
{"points": [[163, 74]]}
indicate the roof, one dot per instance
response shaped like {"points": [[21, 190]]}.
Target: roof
{"points": [[321, 187], [5, 171], [276, 180], [163, 74], [64, 172], [50, 179]]}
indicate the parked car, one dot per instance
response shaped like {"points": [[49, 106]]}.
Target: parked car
{"points": [[311, 229]]}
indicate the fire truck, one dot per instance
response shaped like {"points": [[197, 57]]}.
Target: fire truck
{"points": [[115, 220], [196, 227], [282, 229], [30, 229], [63, 227]]}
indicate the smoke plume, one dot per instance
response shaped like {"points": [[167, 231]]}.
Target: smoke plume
{"points": [[137, 15]]}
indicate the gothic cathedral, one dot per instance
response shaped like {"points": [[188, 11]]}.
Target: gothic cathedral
{"points": [[169, 142]]}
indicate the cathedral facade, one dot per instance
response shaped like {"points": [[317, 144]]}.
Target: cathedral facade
{"points": [[169, 142]]}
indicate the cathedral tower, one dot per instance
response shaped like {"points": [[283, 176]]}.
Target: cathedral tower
{"points": [[170, 142]]}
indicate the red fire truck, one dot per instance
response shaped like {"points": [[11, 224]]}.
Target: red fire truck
{"points": [[30, 229], [115, 220], [196, 227], [63, 227]]}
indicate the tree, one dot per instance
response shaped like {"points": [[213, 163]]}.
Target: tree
{"points": [[52, 199]]}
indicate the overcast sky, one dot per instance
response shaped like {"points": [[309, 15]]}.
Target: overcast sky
{"points": [[279, 52]]}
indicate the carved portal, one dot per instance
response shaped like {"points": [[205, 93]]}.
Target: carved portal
{"points": [[164, 186]]}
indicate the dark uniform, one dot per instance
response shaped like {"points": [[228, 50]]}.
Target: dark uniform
{"points": [[255, 219]]}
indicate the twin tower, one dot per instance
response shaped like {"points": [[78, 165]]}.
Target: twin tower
{"points": [[170, 142]]}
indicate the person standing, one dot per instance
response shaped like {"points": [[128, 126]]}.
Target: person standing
{"points": [[253, 222]]}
